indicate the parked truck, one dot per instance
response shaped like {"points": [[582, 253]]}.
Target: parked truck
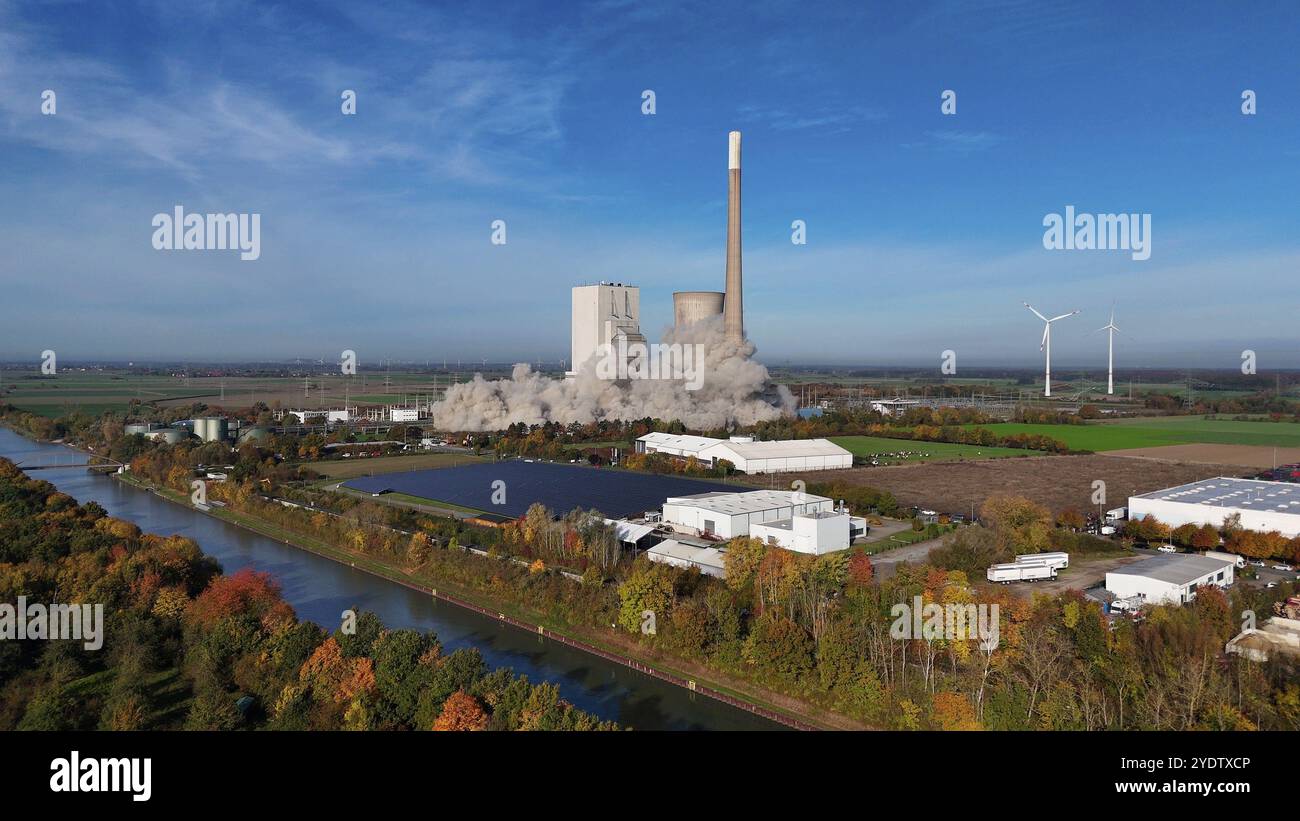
{"points": [[1020, 572], [1239, 561]]}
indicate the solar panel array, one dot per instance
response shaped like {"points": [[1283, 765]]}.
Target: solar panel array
{"points": [[561, 488]]}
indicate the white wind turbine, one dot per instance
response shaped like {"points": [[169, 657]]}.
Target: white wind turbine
{"points": [[1110, 328], [1046, 344]]}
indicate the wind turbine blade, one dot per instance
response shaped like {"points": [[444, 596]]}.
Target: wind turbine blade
{"points": [[1114, 328], [1046, 330], [1036, 313], [1062, 316]]}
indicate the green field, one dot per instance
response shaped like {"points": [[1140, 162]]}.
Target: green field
{"points": [[1151, 432], [371, 466], [866, 446]]}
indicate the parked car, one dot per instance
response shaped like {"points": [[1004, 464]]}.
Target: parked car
{"points": [[1285, 567], [1167, 548], [1259, 564]]}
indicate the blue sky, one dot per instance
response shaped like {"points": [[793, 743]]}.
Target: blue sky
{"points": [[924, 230]]}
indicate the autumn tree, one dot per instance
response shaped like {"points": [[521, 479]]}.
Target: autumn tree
{"points": [[461, 712]]}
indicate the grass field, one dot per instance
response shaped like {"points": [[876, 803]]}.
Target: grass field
{"points": [[1148, 432], [352, 468], [866, 446]]}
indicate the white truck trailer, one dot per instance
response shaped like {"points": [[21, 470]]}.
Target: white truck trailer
{"points": [[1058, 560], [1020, 572]]}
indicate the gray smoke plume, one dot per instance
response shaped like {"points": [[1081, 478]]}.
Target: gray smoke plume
{"points": [[733, 390]]}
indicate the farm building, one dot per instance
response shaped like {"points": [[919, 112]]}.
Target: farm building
{"points": [[751, 456], [730, 514], [1263, 506], [1169, 579]]}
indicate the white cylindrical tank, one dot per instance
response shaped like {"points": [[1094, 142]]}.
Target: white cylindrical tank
{"points": [[692, 306]]}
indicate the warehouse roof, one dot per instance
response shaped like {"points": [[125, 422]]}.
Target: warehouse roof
{"points": [[678, 441], [753, 501], [631, 532], [1173, 569], [703, 556], [1225, 492], [784, 449]]}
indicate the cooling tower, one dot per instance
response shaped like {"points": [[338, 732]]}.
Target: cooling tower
{"points": [[692, 306], [733, 306]]}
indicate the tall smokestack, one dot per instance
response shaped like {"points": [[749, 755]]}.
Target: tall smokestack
{"points": [[733, 306]]}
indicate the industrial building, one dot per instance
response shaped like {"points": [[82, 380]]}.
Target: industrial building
{"points": [[1171, 579], [708, 559], [748, 455], [816, 533], [726, 515], [1263, 506], [894, 407], [605, 316]]}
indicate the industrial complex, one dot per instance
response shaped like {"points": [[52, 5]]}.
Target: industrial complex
{"points": [[1262, 506]]}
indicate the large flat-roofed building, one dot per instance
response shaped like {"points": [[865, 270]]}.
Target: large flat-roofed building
{"points": [[816, 533], [1170, 579], [727, 515], [1263, 506], [748, 455]]}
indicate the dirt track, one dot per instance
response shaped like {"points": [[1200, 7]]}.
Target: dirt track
{"points": [[1058, 482]]}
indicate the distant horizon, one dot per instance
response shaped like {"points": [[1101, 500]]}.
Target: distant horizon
{"points": [[924, 225], [915, 369]]}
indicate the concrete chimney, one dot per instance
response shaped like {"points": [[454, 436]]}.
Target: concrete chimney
{"points": [[733, 306]]}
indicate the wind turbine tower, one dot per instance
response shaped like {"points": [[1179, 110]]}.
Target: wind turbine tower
{"points": [[1046, 344], [1110, 353]]}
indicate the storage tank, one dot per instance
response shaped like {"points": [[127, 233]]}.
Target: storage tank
{"points": [[169, 436], [692, 306], [136, 427], [211, 428], [253, 433]]}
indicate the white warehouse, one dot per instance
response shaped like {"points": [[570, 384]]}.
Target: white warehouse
{"points": [[816, 533], [1263, 506], [1171, 579], [727, 515], [748, 455]]}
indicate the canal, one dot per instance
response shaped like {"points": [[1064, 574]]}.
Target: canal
{"points": [[320, 590]]}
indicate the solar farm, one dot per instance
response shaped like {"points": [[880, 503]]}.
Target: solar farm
{"points": [[559, 487]]}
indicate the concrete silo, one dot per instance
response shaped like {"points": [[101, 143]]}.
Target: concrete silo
{"points": [[212, 428]]}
